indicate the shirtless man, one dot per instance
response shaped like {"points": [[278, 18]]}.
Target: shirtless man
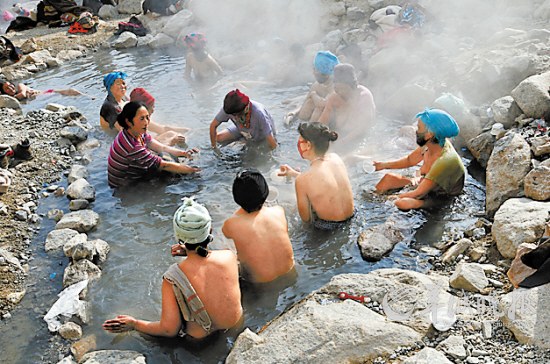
{"points": [[198, 61], [350, 110], [24, 92], [314, 104], [260, 233]]}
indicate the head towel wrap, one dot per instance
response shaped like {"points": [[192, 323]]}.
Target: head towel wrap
{"points": [[192, 222], [195, 41], [110, 78], [440, 123], [345, 73], [235, 102], [324, 62], [250, 190], [141, 95]]}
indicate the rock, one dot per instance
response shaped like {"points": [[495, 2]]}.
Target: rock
{"points": [[38, 57], [80, 204], [481, 147], [67, 360], [54, 62], [81, 221], [472, 360], [519, 271], [454, 346], [108, 12], [29, 46], [60, 191], [178, 23], [77, 172], [70, 331], [540, 145], [505, 111], [83, 312], [519, 220], [55, 214], [526, 315], [21, 215], [337, 8], [101, 249], [469, 276], [113, 356], [378, 241], [476, 253], [88, 145], [69, 54], [125, 40], [508, 165], [81, 190], [79, 271], [84, 345], [532, 95], [348, 330], [145, 40], [454, 251], [487, 329], [76, 133], [10, 103], [129, 6], [16, 73], [355, 14], [79, 248], [16, 297], [10, 258], [428, 355], [160, 41], [56, 239], [333, 39], [54, 107], [419, 296], [537, 183]]}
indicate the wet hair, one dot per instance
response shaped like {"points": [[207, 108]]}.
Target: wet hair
{"points": [[317, 134], [200, 248], [250, 190], [235, 102], [345, 73], [2, 84], [129, 113]]}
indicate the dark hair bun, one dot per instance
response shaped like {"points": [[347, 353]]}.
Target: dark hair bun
{"points": [[333, 136], [203, 252]]}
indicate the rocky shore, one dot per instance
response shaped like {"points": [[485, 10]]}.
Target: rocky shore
{"points": [[464, 310]]}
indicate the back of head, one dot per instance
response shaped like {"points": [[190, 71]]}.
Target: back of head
{"points": [[324, 62], [440, 123], [250, 190], [110, 78], [128, 113], [345, 73], [317, 134], [141, 95], [235, 102], [2, 92], [192, 225]]}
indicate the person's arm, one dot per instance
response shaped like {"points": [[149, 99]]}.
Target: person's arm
{"points": [[174, 167], [23, 92], [158, 147], [226, 229], [411, 160], [332, 102], [215, 65], [188, 67], [159, 128], [213, 130], [271, 141], [423, 188], [168, 326], [302, 200], [286, 170]]}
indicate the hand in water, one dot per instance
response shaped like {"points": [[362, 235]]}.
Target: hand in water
{"points": [[378, 165], [287, 171], [190, 152], [178, 250], [178, 139], [217, 151], [121, 323]]}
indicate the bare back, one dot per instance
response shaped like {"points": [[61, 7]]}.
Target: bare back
{"points": [[215, 278], [262, 242], [203, 70]]}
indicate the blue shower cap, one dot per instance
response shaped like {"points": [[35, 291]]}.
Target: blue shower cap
{"points": [[440, 123], [324, 62], [110, 78]]}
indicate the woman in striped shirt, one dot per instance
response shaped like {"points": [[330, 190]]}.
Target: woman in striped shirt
{"points": [[131, 156]]}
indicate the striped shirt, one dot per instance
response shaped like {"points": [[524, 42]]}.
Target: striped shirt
{"points": [[130, 159]]}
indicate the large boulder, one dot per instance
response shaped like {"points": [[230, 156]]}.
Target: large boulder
{"points": [[81, 190], [525, 313], [508, 165], [342, 331], [113, 356], [81, 221], [537, 183], [519, 220], [130, 6], [505, 111], [161, 40], [378, 241], [10, 103], [532, 95], [481, 147], [125, 40], [56, 239], [108, 12], [178, 23]]}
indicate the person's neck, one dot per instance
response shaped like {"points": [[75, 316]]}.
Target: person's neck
{"points": [[314, 158], [133, 133], [434, 148]]}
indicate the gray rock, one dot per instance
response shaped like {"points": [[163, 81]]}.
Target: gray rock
{"points": [[354, 14], [29, 46], [54, 62], [454, 346], [487, 329], [79, 248], [81, 221], [21, 215], [145, 40], [69, 54], [77, 172], [108, 12], [55, 214], [10, 258], [540, 145], [519, 220], [81, 190], [378, 241], [70, 331], [113, 356], [532, 95], [56, 239], [337, 8], [469, 276], [125, 40], [67, 360], [454, 251], [333, 39], [41, 56], [508, 165], [537, 183], [505, 111], [16, 297], [75, 205], [342, 331], [526, 315], [79, 271], [428, 355], [76, 133], [160, 41], [88, 145], [129, 6], [472, 360], [10, 103], [101, 249], [16, 73], [177, 23], [54, 107]]}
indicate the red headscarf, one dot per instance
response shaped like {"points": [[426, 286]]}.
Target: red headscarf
{"points": [[235, 101], [141, 95]]}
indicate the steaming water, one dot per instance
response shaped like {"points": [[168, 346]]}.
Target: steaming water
{"points": [[137, 224]]}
